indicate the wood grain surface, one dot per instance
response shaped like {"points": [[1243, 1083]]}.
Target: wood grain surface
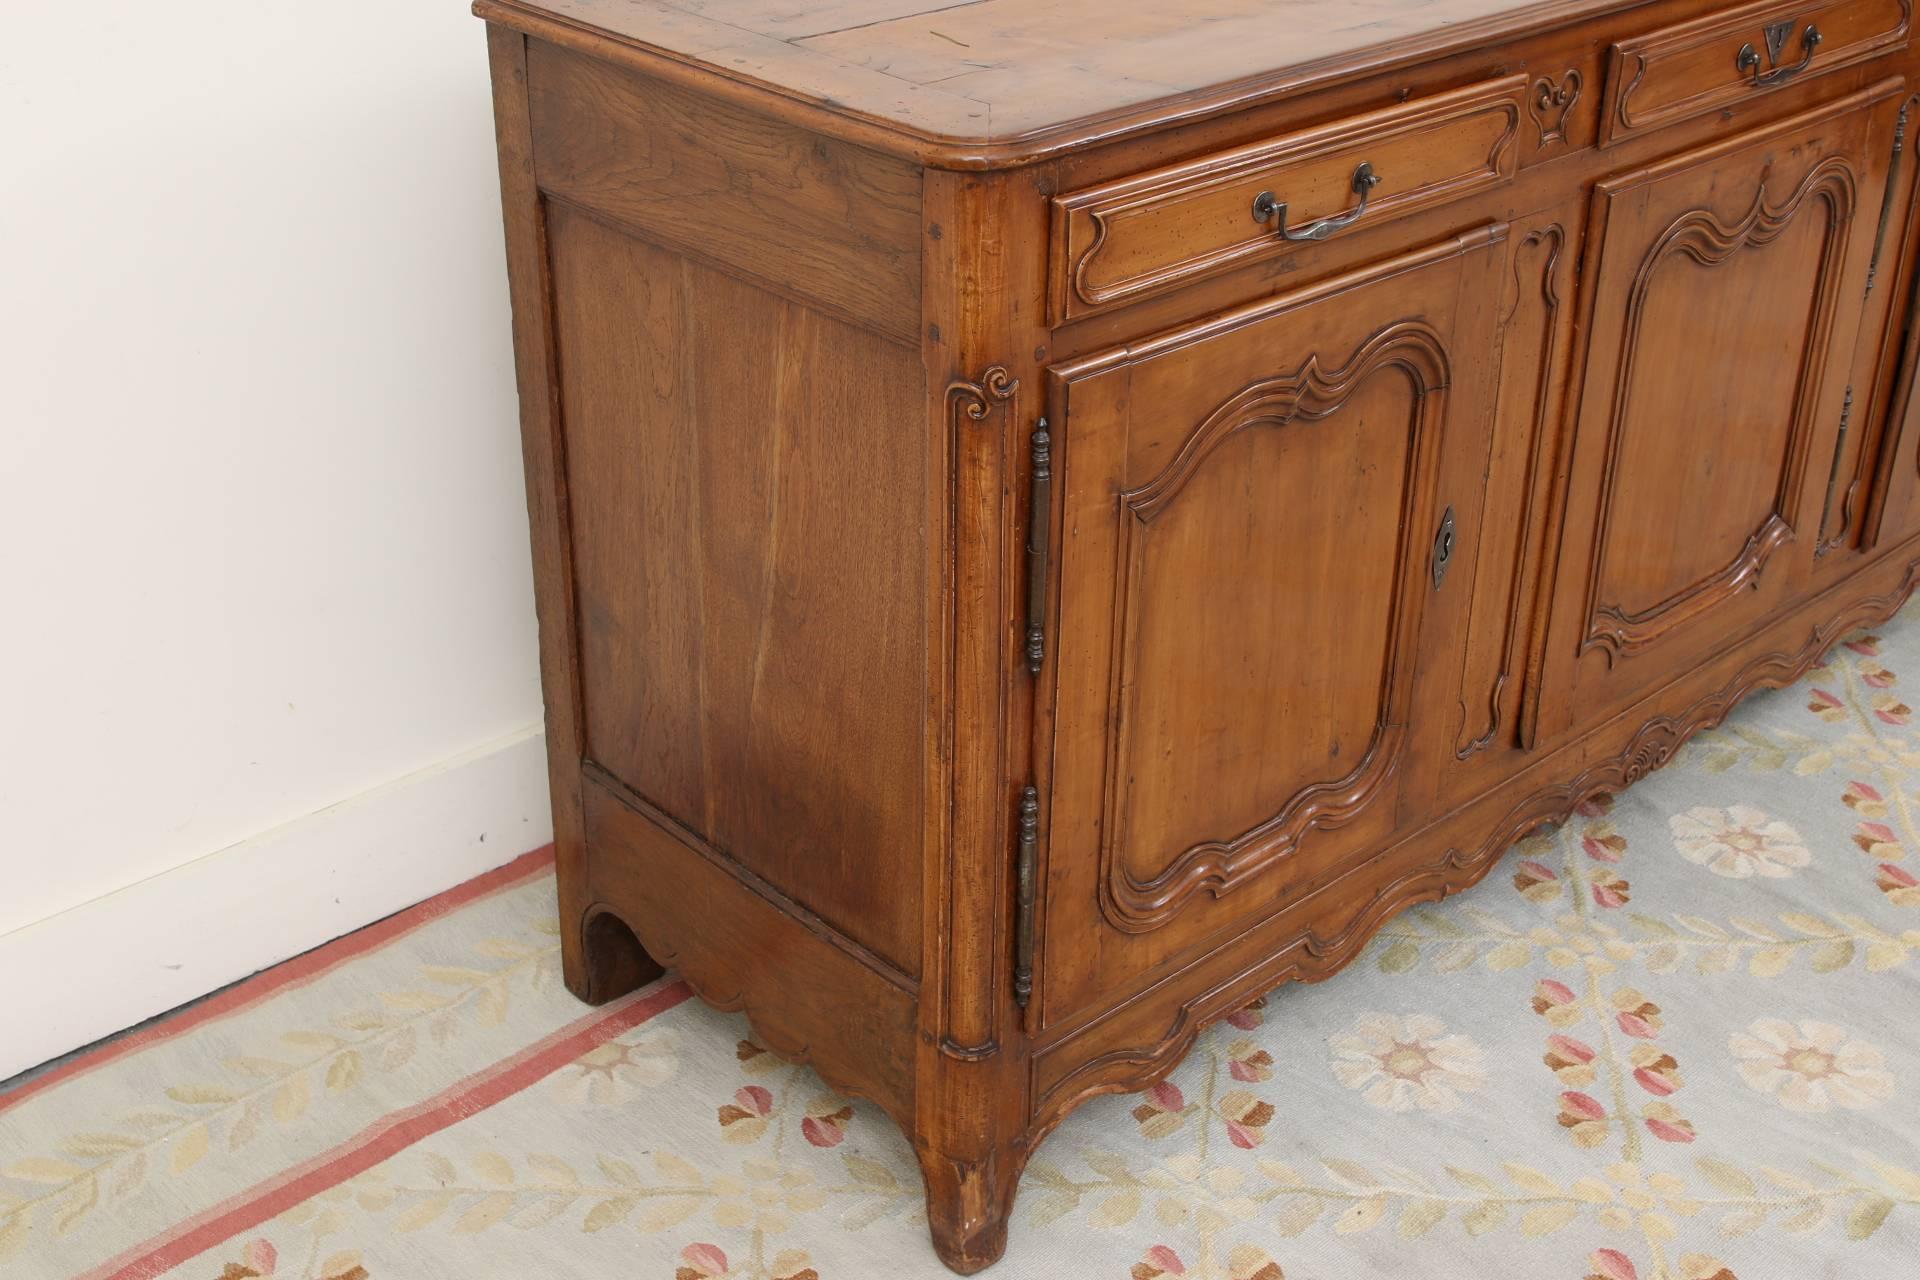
{"points": [[1006, 601], [1016, 78]]}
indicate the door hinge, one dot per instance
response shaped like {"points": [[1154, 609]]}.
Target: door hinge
{"points": [[1023, 879], [1039, 529]]}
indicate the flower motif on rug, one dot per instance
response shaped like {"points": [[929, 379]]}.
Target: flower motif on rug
{"points": [[1901, 888], [1611, 1264], [826, 1121], [765, 1197], [1156, 1262], [744, 1119], [1738, 842], [1161, 1111], [1246, 1117], [614, 1072], [260, 1259], [709, 1262], [1399, 1064], [1811, 1067], [680, 1149]]}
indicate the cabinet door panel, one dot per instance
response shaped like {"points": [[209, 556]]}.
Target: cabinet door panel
{"points": [[1726, 288], [1895, 516], [1250, 510], [1875, 501], [1231, 692]]}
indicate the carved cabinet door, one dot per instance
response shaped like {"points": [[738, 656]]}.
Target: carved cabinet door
{"points": [[1895, 515], [1724, 288], [1886, 385], [1263, 521]]}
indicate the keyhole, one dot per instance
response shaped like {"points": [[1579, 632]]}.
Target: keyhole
{"points": [[1443, 547]]}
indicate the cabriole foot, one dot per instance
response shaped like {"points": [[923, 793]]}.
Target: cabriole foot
{"points": [[968, 1203]]}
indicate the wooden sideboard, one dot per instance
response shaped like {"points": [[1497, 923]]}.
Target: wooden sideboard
{"points": [[1052, 519]]}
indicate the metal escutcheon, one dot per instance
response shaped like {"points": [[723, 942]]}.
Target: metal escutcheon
{"points": [[1443, 548]]}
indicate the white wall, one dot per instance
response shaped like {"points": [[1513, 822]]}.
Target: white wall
{"points": [[262, 535]]}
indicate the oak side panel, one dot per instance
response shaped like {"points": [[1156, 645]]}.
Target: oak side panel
{"points": [[834, 225], [748, 572]]}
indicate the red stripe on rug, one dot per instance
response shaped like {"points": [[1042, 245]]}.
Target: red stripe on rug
{"points": [[388, 1136], [298, 971]]}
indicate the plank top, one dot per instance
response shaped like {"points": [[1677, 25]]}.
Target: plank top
{"points": [[1001, 81]]}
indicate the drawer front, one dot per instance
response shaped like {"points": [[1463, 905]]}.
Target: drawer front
{"points": [[1679, 72], [1125, 240]]}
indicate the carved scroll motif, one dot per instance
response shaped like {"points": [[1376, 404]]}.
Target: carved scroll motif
{"points": [[975, 400], [1550, 102], [975, 968]]}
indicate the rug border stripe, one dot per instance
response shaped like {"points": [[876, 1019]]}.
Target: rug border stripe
{"points": [[297, 971], [388, 1136]]}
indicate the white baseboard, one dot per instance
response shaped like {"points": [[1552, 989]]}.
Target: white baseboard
{"points": [[119, 959]]}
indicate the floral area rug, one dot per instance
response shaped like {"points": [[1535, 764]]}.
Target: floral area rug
{"points": [[1677, 1037]]}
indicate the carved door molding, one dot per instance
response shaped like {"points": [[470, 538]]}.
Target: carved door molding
{"points": [[1693, 493], [1411, 349], [1250, 508], [1699, 236]]}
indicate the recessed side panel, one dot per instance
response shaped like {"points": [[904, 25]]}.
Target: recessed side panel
{"points": [[746, 515]]}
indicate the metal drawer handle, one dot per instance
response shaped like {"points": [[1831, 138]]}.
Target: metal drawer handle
{"points": [[1265, 207], [1748, 59]]}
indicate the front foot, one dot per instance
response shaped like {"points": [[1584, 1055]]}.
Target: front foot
{"points": [[603, 960], [968, 1204]]}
